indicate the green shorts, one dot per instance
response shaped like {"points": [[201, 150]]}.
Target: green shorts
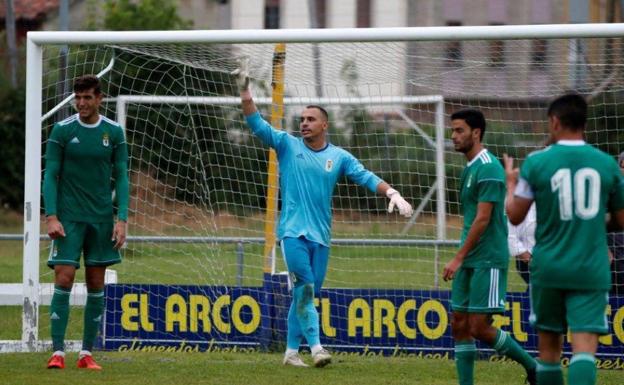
{"points": [[479, 290], [556, 310], [94, 239]]}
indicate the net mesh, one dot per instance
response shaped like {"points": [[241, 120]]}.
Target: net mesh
{"points": [[198, 177]]}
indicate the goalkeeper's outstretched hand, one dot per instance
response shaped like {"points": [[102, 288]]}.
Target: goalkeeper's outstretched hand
{"points": [[397, 201], [242, 74]]}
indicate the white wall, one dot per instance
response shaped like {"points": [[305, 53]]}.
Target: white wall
{"points": [[341, 14], [247, 14]]}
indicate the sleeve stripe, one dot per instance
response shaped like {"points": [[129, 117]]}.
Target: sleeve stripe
{"points": [[491, 180], [56, 141]]}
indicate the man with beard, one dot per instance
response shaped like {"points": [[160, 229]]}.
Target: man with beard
{"points": [[310, 167], [479, 268]]}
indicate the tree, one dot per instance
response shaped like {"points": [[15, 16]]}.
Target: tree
{"points": [[117, 15], [12, 113], [123, 15]]}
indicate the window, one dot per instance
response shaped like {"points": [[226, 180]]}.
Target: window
{"points": [[454, 53], [497, 53], [271, 14], [539, 51], [363, 18], [321, 9]]}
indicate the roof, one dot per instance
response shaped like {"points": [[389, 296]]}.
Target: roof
{"points": [[30, 9]]}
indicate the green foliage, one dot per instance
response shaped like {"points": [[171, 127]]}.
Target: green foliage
{"points": [[398, 156], [143, 15], [12, 138], [605, 123]]}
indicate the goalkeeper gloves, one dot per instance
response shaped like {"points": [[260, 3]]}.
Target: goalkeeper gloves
{"points": [[396, 200], [242, 74]]}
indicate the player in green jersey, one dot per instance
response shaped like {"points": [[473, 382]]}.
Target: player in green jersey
{"points": [[479, 269], [82, 154], [573, 185]]}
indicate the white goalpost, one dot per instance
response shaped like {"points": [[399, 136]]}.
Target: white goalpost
{"points": [[197, 271]]}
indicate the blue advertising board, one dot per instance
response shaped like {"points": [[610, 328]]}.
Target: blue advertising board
{"points": [[363, 321]]}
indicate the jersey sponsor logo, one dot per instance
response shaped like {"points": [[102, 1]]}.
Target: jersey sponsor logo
{"points": [[329, 164], [75, 140], [98, 319], [105, 141], [54, 316]]}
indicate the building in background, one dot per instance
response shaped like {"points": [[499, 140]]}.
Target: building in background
{"points": [[473, 72]]}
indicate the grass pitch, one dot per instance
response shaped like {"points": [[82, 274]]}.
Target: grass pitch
{"points": [[134, 368]]}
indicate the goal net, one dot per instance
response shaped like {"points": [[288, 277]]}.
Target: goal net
{"points": [[201, 269]]}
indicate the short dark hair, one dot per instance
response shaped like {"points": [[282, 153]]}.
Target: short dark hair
{"points": [[86, 83], [323, 111], [571, 110], [473, 118]]}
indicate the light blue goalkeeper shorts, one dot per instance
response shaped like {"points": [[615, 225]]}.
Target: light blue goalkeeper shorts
{"points": [[306, 261]]}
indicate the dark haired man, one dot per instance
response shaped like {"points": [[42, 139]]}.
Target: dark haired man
{"points": [[479, 268], [310, 168], [82, 154], [573, 185]]}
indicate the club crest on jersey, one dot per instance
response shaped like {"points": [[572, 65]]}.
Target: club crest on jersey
{"points": [[105, 141], [329, 164]]}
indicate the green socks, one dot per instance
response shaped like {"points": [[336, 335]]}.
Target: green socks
{"points": [[92, 317], [507, 346], [465, 355], [549, 373], [582, 370], [59, 315]]}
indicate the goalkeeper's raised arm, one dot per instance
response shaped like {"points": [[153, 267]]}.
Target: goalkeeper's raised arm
{"points": [[310, 167]]}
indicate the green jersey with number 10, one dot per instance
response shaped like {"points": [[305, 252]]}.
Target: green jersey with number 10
{"points": [[573, 185]]}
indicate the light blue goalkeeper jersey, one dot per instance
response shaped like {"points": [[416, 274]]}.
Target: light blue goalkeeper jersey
{"points": [[307, 181]]}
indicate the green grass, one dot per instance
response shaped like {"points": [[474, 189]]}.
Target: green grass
{"points": [[202, 264], [11, 323], [134, 368], [350, 266]]}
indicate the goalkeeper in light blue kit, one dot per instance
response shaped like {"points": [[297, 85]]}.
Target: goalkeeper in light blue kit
{"points": [[310, 167]]}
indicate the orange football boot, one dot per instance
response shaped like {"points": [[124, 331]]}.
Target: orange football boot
{"points": [[56, 362], [87, 362]]}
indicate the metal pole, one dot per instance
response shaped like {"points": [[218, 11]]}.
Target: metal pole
{"points": [[62, 88], [481, 32], [240, 260], [9, 23], [316, 53], [441, 185], [32, 196], [440, 172]]}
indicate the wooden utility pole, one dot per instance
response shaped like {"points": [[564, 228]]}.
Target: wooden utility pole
{"points": [[9, 21]]}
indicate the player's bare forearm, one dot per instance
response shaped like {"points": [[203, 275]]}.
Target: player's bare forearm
{"points": [[382, 188], [55, 228], [477, 228], [249, 107], [516, 208], [119, 234]]}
